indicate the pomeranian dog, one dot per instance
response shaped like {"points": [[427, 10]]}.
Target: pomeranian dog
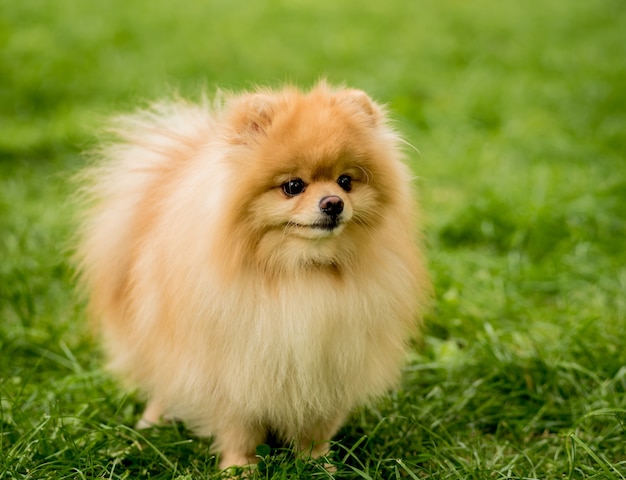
{"points": [[253, 266]]}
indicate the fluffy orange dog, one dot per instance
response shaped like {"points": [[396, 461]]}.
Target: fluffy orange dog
{"points": [[253, 267]]}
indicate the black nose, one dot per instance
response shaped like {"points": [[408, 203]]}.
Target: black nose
{"points": [[331, 205]]}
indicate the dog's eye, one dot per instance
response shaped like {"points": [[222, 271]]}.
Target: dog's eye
{"points": [[345, 182], [293, 187]]}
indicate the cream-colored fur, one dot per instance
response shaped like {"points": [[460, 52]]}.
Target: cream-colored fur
{"points": [[219, 295]]}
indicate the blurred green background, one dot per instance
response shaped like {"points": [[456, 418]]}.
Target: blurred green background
{"points": [[517, 111]]}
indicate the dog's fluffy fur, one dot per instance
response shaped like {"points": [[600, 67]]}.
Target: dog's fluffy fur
{"points": [[223, 284]]}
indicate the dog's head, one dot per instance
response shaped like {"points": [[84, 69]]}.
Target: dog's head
{"points": [[314, 174]]}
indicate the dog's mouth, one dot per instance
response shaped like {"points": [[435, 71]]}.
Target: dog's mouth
{"points": [[328, 224]]}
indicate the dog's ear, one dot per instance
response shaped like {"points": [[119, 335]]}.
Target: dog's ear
{"points": [[361, 101], [251, 116]]}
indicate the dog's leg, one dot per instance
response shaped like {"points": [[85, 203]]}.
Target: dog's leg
{"points": [[151, 415], [316, 442], [237, 445]]}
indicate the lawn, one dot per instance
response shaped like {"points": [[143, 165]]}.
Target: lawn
{"points": [[517, 111]]}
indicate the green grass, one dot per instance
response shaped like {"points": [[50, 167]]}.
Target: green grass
{"points": [[518, 110]]}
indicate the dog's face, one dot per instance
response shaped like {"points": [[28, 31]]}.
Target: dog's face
{"points": [[316, 173], [315, 209]]}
